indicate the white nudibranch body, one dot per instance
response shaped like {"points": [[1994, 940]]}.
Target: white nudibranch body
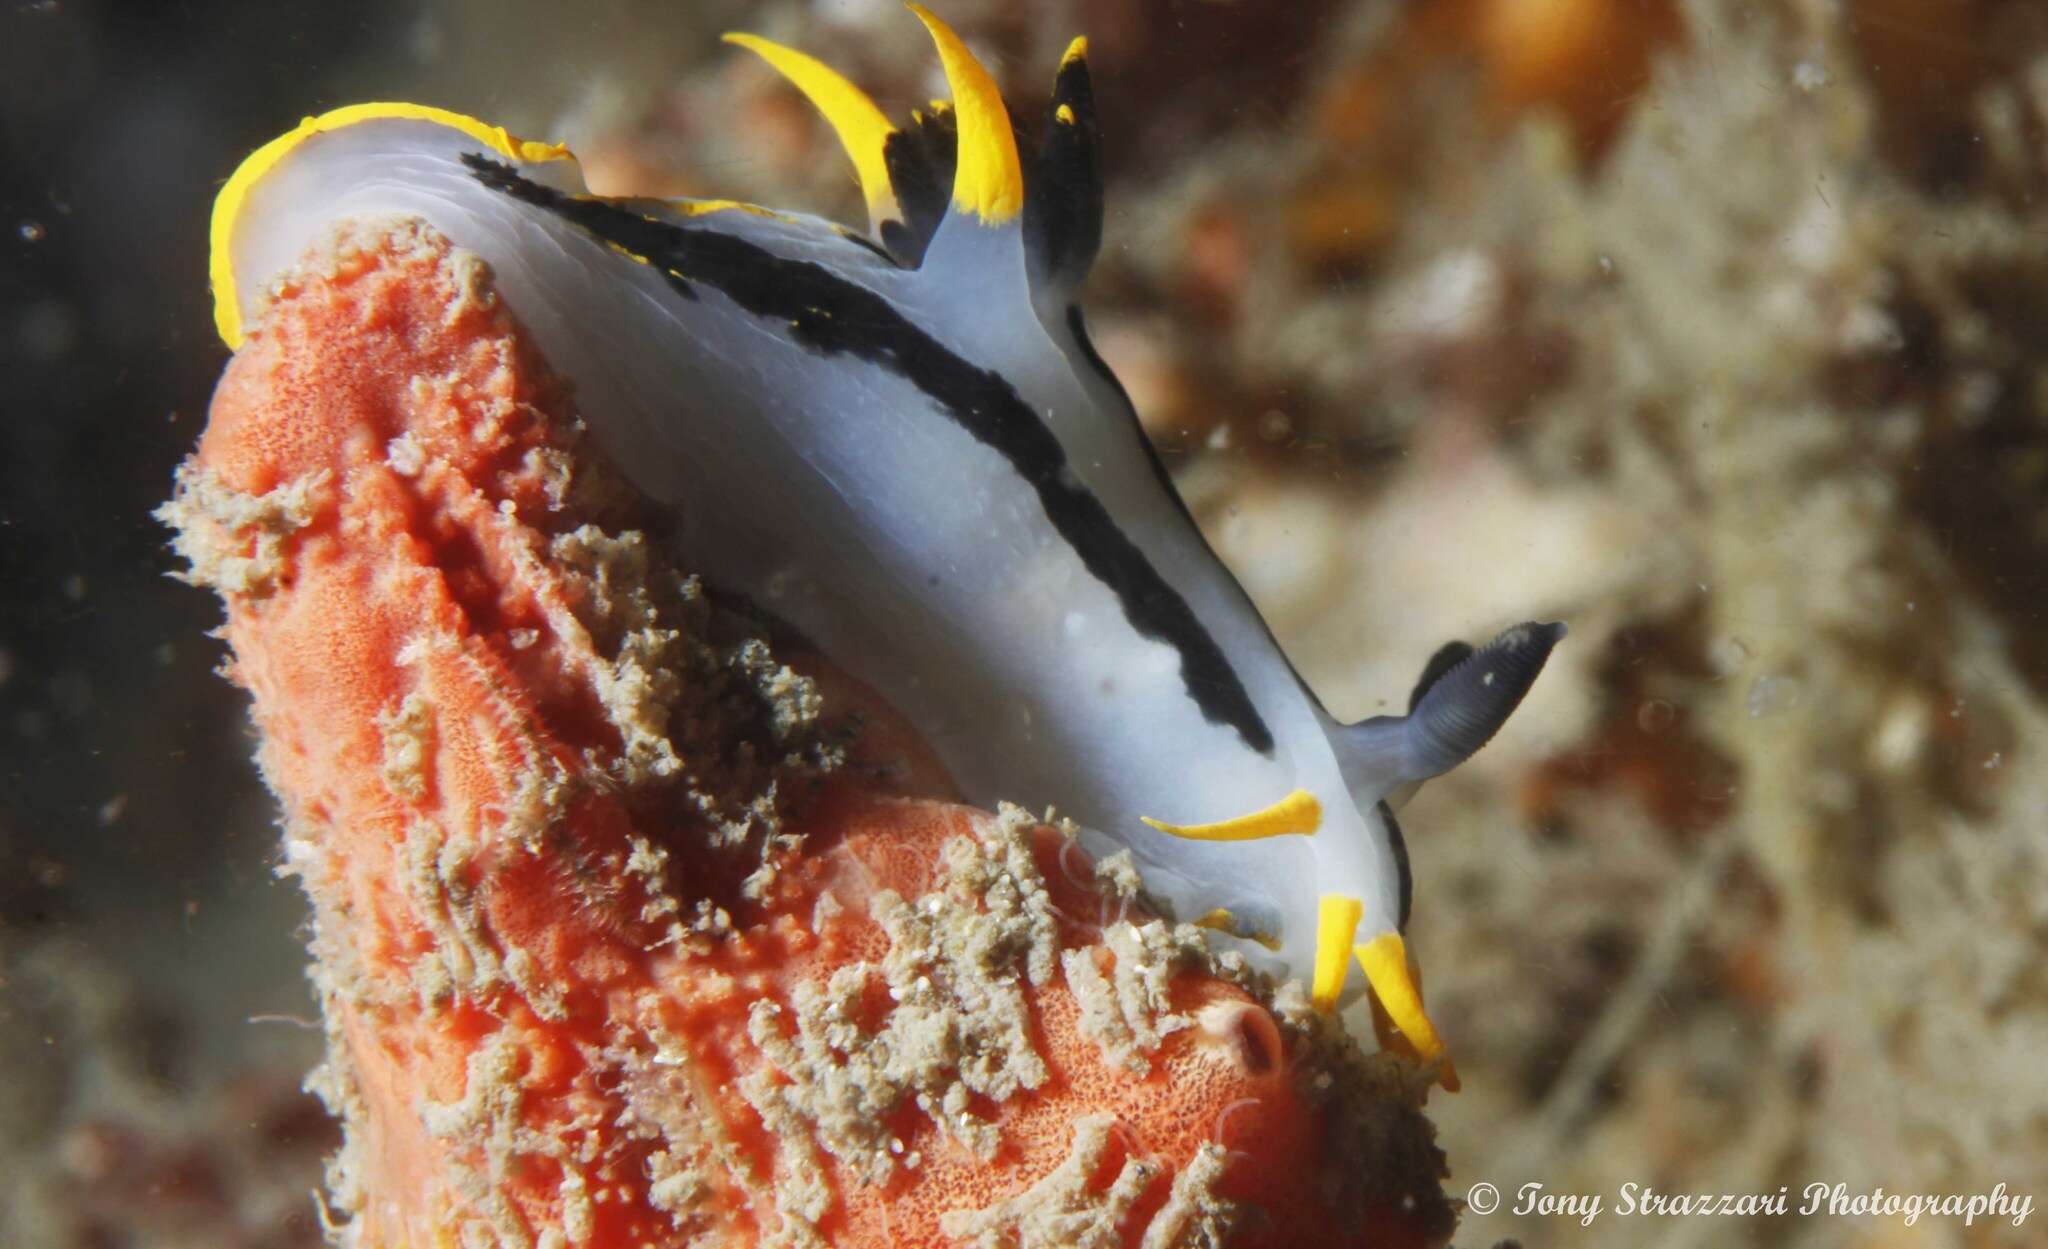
{"points": [[905, 447]]}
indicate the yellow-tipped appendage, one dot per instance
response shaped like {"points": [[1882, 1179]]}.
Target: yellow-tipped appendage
{"points": [[1298, 813], [862, 127], [1219, 919], [988, 177], [234, 194], [1385, 960], [1337, 919]]}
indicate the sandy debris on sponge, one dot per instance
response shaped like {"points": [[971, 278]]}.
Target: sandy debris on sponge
{"points": [[612, 947], [1066, 1207], [233, 542], [1128, 1012]]}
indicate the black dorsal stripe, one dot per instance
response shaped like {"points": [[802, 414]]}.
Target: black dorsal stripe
{"points": [[1077, 330], [828, 314]]}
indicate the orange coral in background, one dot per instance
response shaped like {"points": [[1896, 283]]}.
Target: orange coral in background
{"points": [[626, 930], [1586, 61]]}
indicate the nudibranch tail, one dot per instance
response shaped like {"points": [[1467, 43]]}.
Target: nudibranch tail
{"points": [[863, 129]]}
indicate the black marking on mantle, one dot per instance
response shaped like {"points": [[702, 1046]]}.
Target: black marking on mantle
{"points": [[1406, 878], [920, 160], [830, 315], [1447, 657]]}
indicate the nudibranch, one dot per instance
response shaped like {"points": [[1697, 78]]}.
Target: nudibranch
{"points": [[901, 443]]}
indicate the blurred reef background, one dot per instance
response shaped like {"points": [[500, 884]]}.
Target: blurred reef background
{"points": [[1716, 328]]}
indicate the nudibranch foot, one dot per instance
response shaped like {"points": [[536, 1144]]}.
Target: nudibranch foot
{"points": [[623, 934]]}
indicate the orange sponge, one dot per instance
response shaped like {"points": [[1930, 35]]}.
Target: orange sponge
{"points": [[635, 925]]}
